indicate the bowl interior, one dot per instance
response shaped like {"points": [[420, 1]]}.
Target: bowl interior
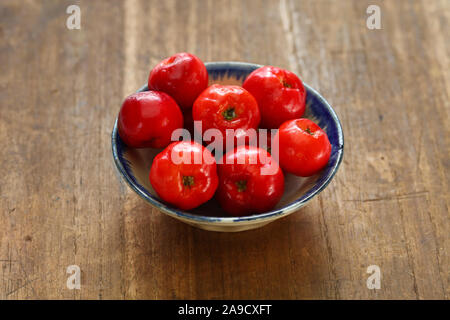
{"points": [[135, 164]]}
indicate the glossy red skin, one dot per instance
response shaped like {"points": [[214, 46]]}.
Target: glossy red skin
{"points": [[147, 119], [216, 99], [262, 193], [280, 95], [166, 176], [183, 76], [300, 152]]}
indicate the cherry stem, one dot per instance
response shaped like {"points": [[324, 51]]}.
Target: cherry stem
{"points": [[286, 84], [308, 130], [188, 181], [241, 185], [229, 114]]}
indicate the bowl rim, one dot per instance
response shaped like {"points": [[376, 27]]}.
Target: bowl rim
{"points": [[185, 215]]}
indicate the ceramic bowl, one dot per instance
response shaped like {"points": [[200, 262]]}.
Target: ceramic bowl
{"points": [[134, 164]]}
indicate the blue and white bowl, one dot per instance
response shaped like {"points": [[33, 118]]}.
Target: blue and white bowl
{"points": [[134, 164]]}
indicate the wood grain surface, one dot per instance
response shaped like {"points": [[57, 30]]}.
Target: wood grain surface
{"points": [[62, 203]]}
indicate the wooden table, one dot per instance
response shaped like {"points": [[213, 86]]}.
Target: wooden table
{"points": [[62, 203]]}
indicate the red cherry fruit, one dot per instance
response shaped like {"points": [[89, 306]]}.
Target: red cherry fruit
{"points": [[184, 174], [183, 76], [225, 107], [147, 119], [304, 148], [244, 186], [280, 95]]}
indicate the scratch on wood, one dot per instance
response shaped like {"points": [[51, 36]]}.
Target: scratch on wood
{"points": [[20, 287], [289, 33], [408, 250], [419, 152], [130, 35], [329, 250], [391, 198]]}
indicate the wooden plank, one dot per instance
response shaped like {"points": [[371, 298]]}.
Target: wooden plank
{"points": [[62, 203]]}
